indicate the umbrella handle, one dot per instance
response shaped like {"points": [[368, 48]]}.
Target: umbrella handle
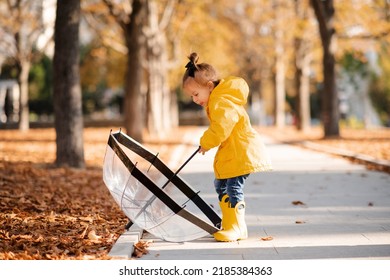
{"points": [[181, 167]]}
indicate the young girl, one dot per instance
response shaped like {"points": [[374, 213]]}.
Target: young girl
{"points": [[240, 149]]}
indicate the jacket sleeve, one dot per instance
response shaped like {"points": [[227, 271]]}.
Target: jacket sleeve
{"points": [[223, 118]]}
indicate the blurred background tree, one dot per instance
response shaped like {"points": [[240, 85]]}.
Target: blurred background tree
{"points": [[380, 87], [67, 98], [133, 53], [22, 25]]}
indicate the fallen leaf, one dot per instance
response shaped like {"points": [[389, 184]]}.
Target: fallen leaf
{"points": [[267, 238], [140, 248], [51, 218], [92, 236], [82, 235], [86, 219], [70, 219], [11, 216], [298, 202]]}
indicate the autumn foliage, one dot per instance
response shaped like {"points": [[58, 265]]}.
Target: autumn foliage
{"points": [[49, 213], [54, 213]]}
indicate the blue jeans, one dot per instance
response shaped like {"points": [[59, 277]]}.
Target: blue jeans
{"points": [[233, 187]]}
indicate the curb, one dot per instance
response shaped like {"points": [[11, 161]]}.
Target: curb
{"points": [[124, 246], [345, 153]]}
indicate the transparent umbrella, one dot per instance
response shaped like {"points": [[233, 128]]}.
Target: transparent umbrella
{"points": [[152, 196]]}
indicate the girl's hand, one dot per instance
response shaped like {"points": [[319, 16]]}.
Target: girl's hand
{"points": [[202, 150]]}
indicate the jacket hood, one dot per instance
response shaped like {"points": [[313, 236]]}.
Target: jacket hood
{"points": [[234, 89]]}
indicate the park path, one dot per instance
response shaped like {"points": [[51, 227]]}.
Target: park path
{"points": [[311, 206]]}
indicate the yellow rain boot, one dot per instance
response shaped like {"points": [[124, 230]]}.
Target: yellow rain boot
{"points": [[235, 226], [224, 205]]}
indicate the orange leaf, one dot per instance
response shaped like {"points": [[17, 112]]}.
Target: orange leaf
{"points": [[298, 202], [267, 238]]}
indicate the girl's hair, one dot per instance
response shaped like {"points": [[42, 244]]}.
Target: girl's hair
{"points": [[201, 72]]}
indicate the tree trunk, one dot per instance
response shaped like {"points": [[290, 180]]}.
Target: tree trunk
{"points": [[24, 69], [280, 71], [324, 12], [302, 80], [161, 116], [280, 67], [302, 71], [67, 90], [133, 103]]}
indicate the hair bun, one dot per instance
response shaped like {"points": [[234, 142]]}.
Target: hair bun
{"points": [[193, 57]]}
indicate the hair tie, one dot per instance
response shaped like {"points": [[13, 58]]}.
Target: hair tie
{"points": [[191, 69]]}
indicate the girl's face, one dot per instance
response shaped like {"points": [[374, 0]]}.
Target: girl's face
{"points": [[200, 94]]}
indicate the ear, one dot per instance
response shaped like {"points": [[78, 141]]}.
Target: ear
{"points": [[210, 85]]}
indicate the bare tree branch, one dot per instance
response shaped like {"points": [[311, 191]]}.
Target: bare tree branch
{"points": [[109, 41], [118, 14], [168, 13]]}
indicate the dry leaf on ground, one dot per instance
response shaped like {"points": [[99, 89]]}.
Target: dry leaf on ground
{"points": [[267, 238], [140, 248], [298, 202]]}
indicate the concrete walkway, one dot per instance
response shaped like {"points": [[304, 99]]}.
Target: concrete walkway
{"points": [[312, 206]]}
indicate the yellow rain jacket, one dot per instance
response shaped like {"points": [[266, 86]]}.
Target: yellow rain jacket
{"points": [[241, 150]]}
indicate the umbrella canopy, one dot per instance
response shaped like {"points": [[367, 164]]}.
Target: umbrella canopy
{"points": [[152, 196]]}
